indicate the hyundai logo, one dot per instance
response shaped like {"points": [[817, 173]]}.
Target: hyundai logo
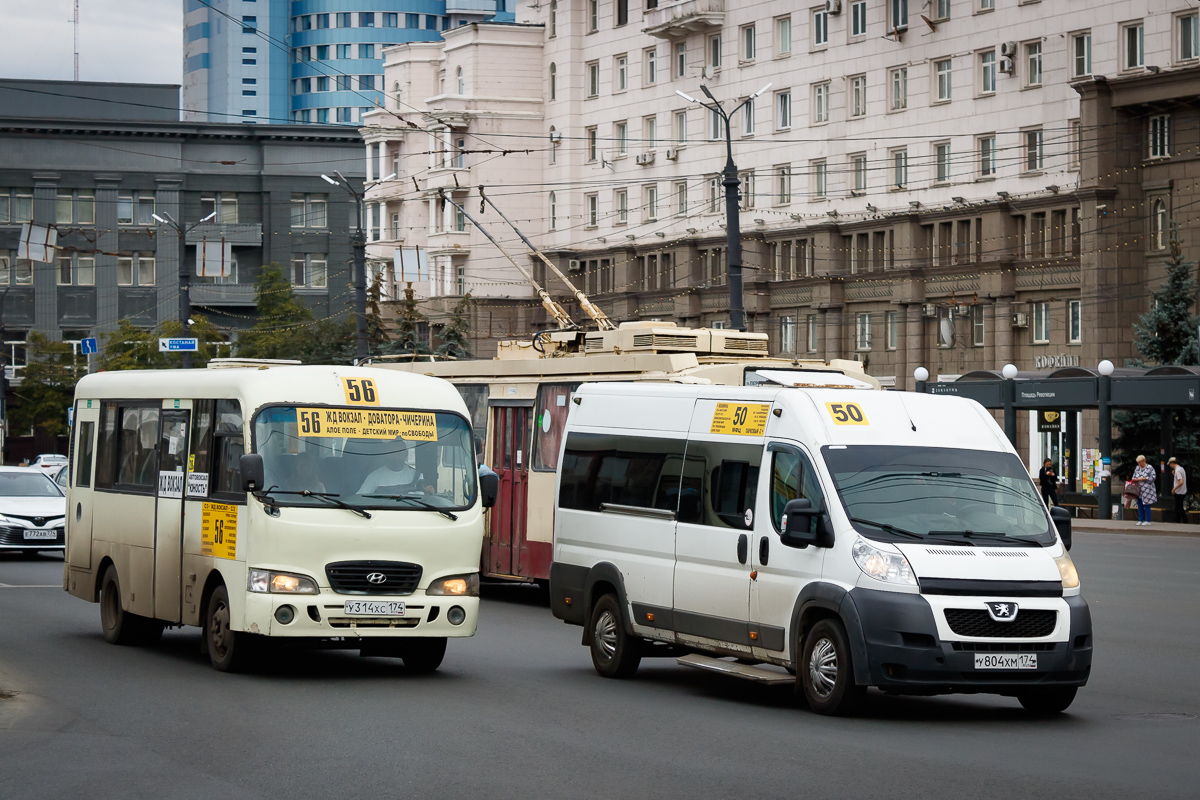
{"points": [[376, 578], [1002, 612]]}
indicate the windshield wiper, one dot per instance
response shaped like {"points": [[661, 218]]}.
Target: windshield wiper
{"points": [[328, 497], [427, 506], [992, 535], [887, 527]]}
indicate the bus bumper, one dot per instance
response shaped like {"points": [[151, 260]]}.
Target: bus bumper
{"points": [[323, 616]]}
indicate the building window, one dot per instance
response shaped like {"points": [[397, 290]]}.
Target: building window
{"points": [[70, 208], [309, 210], [593, 210], [552, 26], [858, 166], [367, 82], [1033, 64], [787, 334], [366, 19], [553, 211], [650, 206], [622, 207], [1160, 136], [987, 72], [622, 12], [1034, 160], [858, 18], [942, 69], [862, 332], [820, 28], [1189, 37], [941, 10], [223, 204], [748, 43], [1133, 46], [899, 88], [858, 96], [366, 51], [1074, 321], [681, 199], [748, 117], [900, 169], [899, 10], [593, 148], [1041, 323], [783, 185], [553, 81], [783, 36], [716, 195], [77, 270], [820, 171], [714, 52], [977, 325], [716, 126], [810, 338], [622, 73], [681, 60], [783, 110], [987, 156], [1158, 225], [593, 15], [135, 209], [391, 20], [310, 270], [680, 128], [249, 24], [651, 63], [650, 133], [891, 320], [821, 103], [593, 71], [987, 5], [458, 77], [621, 134], [1081, 52], [941, 155]]}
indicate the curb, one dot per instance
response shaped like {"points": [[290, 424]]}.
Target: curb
{"points": [[1151, 531]]}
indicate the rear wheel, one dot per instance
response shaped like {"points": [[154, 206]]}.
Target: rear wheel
{"points": [[826, 672], [121, 626], [615, 654], [228, 650], [1049, 701], [423, 656]]}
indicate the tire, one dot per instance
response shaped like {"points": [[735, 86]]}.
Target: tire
{"points": [[826, 670], [422, 656], [228, 650], [1049, 701], [615, 654], [120, 626]]}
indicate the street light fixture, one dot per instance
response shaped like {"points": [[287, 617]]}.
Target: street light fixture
{"points": [[733, 241]]}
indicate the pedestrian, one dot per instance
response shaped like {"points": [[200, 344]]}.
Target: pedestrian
{"points": [[1144, 477], [1178, 489], [1048, 480]]}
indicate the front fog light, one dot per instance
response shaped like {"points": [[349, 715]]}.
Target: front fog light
{"points": [[459, 586], [1066, 568], [284, 615], [456, 615], [883, 565]]}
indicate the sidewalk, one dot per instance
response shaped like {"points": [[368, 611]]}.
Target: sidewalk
{"points": [[1080, 525]]}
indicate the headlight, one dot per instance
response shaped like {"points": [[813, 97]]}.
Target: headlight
{"points": [[265, 581], [1066, 568], [882, 565], [459, 586]]}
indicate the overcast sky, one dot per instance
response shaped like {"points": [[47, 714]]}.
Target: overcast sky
{"points": [[139, 41]]}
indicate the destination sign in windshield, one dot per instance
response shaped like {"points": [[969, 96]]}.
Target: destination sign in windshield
{"points": [[363, 424]]}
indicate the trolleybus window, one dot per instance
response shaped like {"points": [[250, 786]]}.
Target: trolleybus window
{"points": [[549, 421], [476, 397]]}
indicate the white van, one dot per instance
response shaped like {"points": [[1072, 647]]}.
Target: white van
{"points": [[333, 506], [853, 538]]}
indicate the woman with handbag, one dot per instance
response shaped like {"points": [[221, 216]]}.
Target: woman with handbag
{"points": [[1144, 477]]}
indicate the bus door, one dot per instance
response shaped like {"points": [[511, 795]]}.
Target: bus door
{"points": [[510, 460], [79, 511], [168, 529]]}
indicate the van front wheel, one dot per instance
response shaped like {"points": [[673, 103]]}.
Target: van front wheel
{"points": [[615, 654], [826, 673], [1048, 701]]}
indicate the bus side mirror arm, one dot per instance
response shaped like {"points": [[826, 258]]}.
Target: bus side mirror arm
{"points": [[250, 466], [1062, 522], [797, 530]]}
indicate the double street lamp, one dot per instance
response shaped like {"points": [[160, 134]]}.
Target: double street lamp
{"points": [[737, 313], [185, 277]]}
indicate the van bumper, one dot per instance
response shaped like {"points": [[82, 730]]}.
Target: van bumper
{"points": [[906, 656]]}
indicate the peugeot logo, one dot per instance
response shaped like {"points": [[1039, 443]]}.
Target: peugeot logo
{"points": [[1002, 612], [376, 578]]}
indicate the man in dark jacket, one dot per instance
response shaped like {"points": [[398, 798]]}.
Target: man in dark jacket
{"points": [[1049, 483]]}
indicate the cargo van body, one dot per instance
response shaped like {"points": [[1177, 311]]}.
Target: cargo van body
{"points": [[857, 538]]}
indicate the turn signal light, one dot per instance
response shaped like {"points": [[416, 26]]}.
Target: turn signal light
{"points": [[754, 635], [567, 600], [649, 618]]}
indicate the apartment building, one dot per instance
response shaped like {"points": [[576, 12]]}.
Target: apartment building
{"points": [[320, 61], [955, 185]]}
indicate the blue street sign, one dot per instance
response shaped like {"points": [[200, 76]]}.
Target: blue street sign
{"points": [[88, 345], [178, 345]]}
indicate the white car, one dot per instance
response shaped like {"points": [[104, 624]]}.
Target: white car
{"points": [[32, 511], [49, 462]]}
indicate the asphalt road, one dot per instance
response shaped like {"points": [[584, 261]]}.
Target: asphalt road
{"points": [[518, 712]]}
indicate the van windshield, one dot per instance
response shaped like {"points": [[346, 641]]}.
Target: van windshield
{"points": [[371, 458], [938, 493]]}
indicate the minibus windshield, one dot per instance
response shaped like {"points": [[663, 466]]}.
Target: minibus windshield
{"points": [[939, 493], [371, 458]]}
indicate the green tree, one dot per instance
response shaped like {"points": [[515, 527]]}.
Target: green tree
{"points": [[456, 335], [1164, 335], [47, 387], [284, 326], [408, 339], [377, 337], [131, 347]]}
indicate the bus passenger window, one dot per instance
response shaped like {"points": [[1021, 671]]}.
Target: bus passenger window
{"points": [[636, 471], [228, 448], [734, 485], [202, 425], [726, 476], [83, 455], [138, 448], [106, 451]]}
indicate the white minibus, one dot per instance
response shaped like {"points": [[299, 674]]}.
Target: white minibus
{"points": [[330, 506], [851, 538]]}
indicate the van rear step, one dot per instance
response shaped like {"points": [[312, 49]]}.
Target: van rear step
{"points": [[772, 676]]}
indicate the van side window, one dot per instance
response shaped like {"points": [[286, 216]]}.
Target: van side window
{"points": [[137, 448], [792, 477], [83, 455], [725, 477], [106, 450], [228, 448], [549, 422], [620, 470]]}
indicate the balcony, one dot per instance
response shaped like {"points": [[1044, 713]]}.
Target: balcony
{"points": [[483, 8], [242, 234], [684, 18], [222, 294]]}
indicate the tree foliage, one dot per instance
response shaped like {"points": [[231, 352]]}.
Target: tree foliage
{"points": [[284, 325], [131, 347], [456, 336], [47, 387], [408, 339]]}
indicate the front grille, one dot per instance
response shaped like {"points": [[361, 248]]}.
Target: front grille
{"points": [[350, 577], [11, 535], [1029, 624], [373, 622]]}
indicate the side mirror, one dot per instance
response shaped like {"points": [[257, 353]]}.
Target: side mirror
{"points": [[489, 486], [251, 468], [804, 525], [1062, 521]]}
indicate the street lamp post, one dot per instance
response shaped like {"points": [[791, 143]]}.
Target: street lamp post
{"points": [[185, 277], [358, 241], [733, 247]]}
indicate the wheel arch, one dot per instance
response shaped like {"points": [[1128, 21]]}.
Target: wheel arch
{"points": [[602, 579], [102, 568], [820, 600]]}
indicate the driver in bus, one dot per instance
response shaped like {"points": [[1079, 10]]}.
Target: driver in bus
{"points": [[394, 475]]}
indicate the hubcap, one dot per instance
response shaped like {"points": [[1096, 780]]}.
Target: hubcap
{"points": [[606, 635], [219, 631], [823, 668]]}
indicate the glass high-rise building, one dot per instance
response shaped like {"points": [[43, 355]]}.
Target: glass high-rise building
{"points": [[305, 60]]}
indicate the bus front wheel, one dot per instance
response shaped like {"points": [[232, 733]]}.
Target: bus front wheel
{"points": [[423, 655], [121, 626], [228, 650]]}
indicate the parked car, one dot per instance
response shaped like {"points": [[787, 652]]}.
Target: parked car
{"points": [[32, 511], [49, 462], [60, 477]]}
